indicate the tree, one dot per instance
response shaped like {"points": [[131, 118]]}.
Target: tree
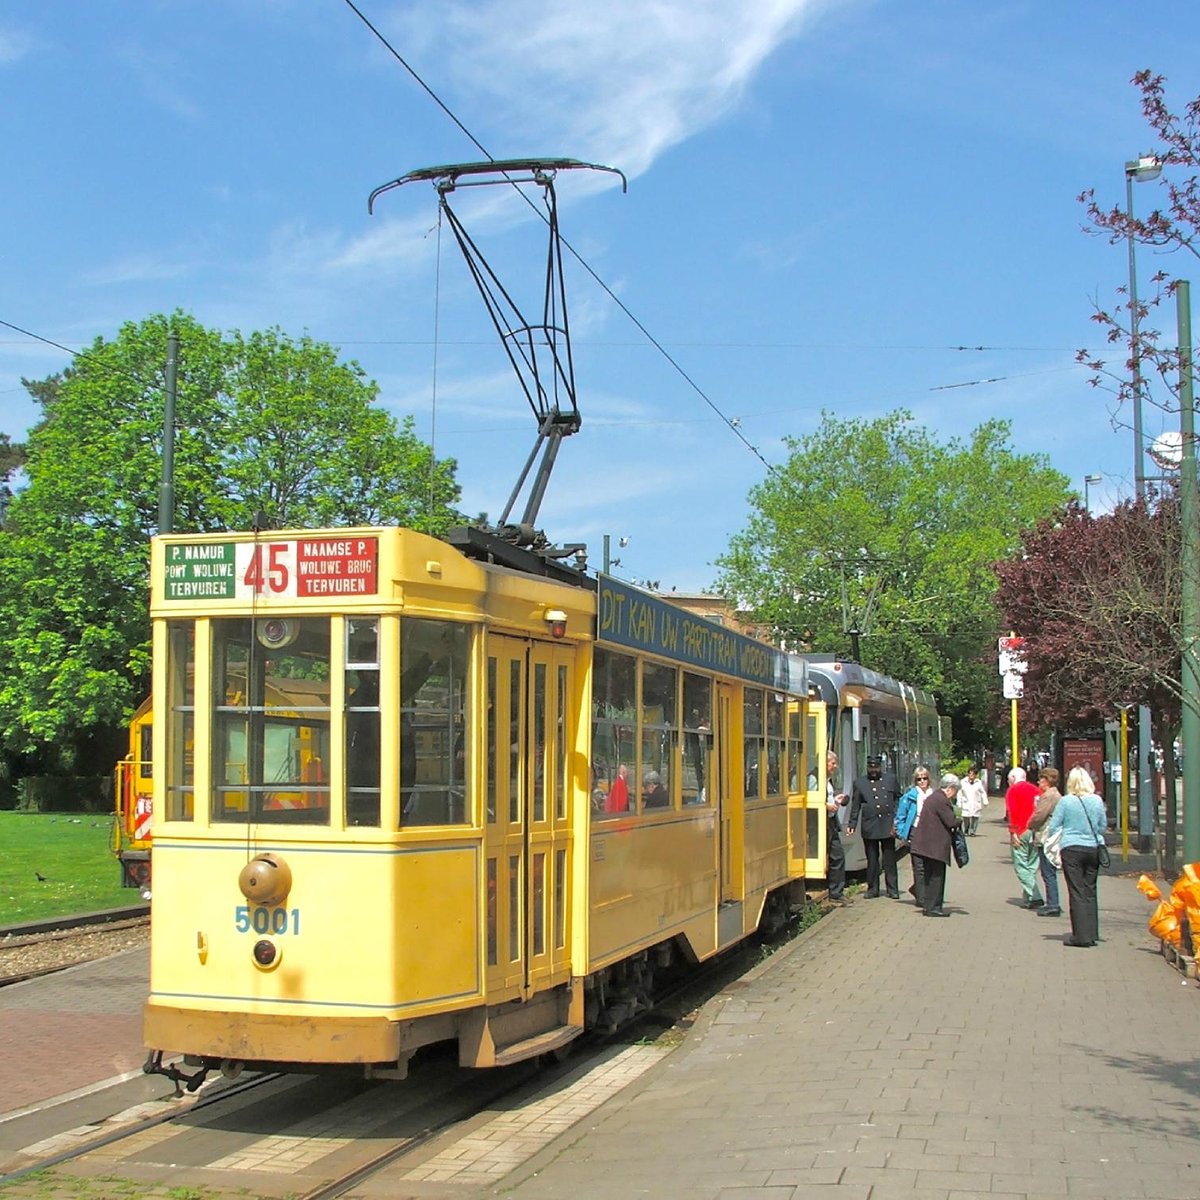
{"points": [[1175, 226], [264, 424], [881, 527], [1097, 600], [12, 459]]}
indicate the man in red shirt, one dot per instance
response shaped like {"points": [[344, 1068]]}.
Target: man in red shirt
{"points": [[1020, 800]]}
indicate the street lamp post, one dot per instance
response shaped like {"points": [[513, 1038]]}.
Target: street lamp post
{"points": [[1189, 508], [609, 561], [1088, 481], [1139, 170]]}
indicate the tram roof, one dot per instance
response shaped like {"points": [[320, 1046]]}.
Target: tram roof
{"points": [[832, 676]]}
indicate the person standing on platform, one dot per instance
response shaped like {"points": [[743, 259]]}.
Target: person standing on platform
{"points": [[1020, 800], [972, 800], [908, 813], [931, 841], [1081, 818], [1048, 783], [873, 805], [835, 853]]}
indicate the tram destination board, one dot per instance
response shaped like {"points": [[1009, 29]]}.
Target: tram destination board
{"points": [[290, 568]]}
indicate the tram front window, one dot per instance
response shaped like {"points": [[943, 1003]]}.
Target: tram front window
{"points": [[271, 720], [434, 657]]}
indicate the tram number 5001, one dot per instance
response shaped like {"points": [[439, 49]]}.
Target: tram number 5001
{"points": [[266, 920]]}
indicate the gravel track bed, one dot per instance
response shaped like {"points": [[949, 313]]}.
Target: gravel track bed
{"points": [[65, 948]]}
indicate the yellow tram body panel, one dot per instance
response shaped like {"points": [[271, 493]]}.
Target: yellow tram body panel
{"points": [[474, 796]]}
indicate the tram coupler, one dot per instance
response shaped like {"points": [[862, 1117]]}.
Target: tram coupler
{"points": [[154, 1066]]}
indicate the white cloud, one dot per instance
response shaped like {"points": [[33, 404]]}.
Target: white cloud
{"points": [[14, 45], [619, 82]]}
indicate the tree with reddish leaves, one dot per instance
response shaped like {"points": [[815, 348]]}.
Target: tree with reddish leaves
{"points": [[1097, 600], [1173, 226]]}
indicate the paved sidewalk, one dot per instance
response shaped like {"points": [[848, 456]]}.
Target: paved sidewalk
{"points": [[885, 1056], [71, 1030]]}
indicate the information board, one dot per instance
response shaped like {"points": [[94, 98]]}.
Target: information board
{"points": [[291, 568]]}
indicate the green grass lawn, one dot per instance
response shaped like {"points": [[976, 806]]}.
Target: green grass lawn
{"points": [[71, 851]]}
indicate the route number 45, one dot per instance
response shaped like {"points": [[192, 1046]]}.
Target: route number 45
{"points": [[271, 575]]}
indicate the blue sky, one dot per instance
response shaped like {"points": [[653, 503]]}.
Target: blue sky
{"points": [[827, 199]]}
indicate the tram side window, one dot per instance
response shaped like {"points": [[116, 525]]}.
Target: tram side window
{"points": [[775, 745], [614, 729], [697, 737], [659, 733], [271, 720], [362, 721], [753, 734], [434, 662], [181, 722]]}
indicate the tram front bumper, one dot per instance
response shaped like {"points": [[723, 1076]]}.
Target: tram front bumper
{"points": [[265, 1037]]}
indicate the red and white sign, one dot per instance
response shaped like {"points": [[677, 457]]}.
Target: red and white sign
{"points": [[307, 567], [1011, 652], [142, 818]]}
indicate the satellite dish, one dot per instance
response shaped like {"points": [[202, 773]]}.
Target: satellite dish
{"points": [[1167, 450]]}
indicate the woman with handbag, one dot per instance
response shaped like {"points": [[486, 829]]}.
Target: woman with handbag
{"points": [[931, 841], [1081, 819], [908, 813], [1049, 848]]}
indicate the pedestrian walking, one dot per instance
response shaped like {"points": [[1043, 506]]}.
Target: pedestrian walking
{"points": [[1081, 819], [931, 840], [1048, 784], [1020, 800], [972, 800]]}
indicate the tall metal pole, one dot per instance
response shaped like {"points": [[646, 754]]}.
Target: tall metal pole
{"points": [[166, 491], [1189, 582], [607, 548], [1135, 170]]}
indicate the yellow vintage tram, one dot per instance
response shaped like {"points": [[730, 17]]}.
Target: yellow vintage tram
{"points": [[404, 796]]}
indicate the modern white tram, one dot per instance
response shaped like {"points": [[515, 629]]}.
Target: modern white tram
{"points": [[867, 714]]}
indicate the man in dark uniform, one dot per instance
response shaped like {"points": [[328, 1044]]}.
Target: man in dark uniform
{"points": [[873, 805]]}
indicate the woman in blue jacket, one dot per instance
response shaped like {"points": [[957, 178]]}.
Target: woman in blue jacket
{"points": [[908, 809], [1081, 818]]}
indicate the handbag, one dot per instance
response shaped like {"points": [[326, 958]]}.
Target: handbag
{"points": [[1052, 849], [1103, 858], [958, 844]]}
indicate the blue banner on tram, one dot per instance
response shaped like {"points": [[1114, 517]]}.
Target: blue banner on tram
{"points": [[636, 620]]}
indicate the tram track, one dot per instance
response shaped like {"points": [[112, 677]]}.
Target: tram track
{"points": [[185, 1106]]}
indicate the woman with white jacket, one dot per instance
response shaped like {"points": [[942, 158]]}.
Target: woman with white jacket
{"points": [[972, 798]]}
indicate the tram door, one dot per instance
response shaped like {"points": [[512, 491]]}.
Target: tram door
{"points": [[529, 736], [725, 772], [807, 791]]}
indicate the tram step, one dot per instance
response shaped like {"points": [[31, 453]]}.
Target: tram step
{"points": [[542, 1043]]}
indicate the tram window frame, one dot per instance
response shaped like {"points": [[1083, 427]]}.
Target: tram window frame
{"points": [[697, 725], [362, 722], [181, 721], [753, 743], [269, 736], [614, 733], [658, 735], [437, 655]]}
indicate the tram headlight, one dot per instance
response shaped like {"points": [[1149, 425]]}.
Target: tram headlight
{"points": [[266, 954], [557, 620]]}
